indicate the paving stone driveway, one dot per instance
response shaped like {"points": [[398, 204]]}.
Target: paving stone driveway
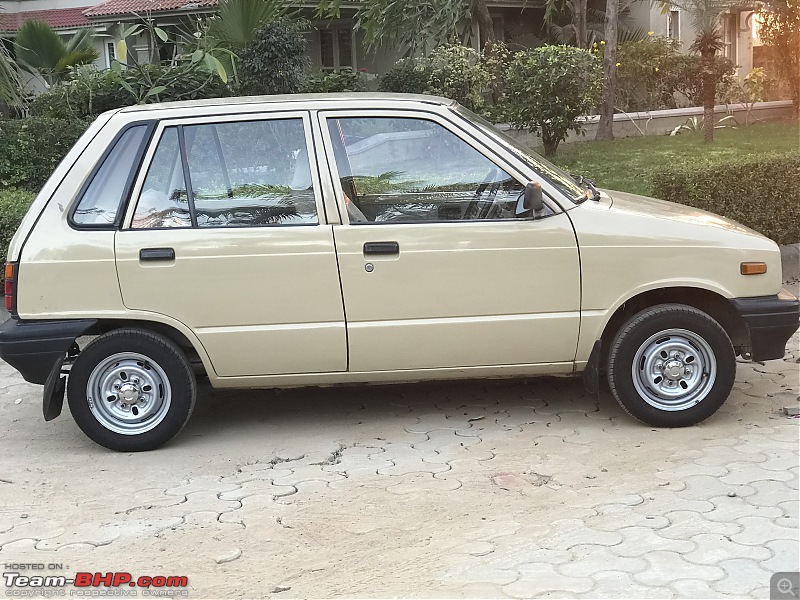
{"points": [[489, 489]]}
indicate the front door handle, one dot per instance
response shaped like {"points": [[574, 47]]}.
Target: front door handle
{"points": [[155, 254], [377, 248]]}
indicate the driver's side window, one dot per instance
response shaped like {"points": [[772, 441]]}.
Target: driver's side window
{"points": [[413, 170]]}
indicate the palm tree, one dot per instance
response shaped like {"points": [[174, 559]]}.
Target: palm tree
{"points": [[605, 127], [41, 51], [705, 15], [237, 21], [10, 84], [414, 26]]}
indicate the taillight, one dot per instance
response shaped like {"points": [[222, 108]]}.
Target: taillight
{"points": [[10, 286]]}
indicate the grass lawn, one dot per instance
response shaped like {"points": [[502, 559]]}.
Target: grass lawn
{"points": [[626, 165]]}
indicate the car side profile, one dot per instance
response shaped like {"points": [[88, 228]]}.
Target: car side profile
{"points": [[312, 240]]}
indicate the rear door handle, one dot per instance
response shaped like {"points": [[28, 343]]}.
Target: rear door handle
{"points": [[155, 254], [376, 248]]}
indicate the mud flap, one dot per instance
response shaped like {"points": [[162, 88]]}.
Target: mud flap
{"points": [[591, 374], [53, 398]]}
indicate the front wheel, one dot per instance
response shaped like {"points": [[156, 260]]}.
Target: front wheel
{"points": [[131, 390], [671, 366]]}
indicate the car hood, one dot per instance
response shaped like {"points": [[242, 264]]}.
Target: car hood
{"points": [[651, 208]]}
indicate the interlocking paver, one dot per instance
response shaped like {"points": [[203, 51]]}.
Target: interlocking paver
{"points": [[667, 567], [711, 548], [460, 489], [742, 575], [639, 541], [759, 531], [536, 579], [785, 555]]}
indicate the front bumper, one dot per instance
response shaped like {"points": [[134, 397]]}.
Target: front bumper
{"points": [[770, 322], [34, 347]]}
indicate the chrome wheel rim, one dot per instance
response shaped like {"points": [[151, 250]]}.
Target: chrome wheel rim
{"points": [[129, 393], [674, 369]]}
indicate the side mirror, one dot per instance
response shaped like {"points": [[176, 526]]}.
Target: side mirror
{"points": [[531, 200]]}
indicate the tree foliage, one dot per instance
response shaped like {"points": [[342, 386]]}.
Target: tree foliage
{"points": [[237, 21], [549, 88], [451, 70], [41, 51], [274, 62], [10, 84], [197, 67], [705, 16], [779, 28], [415, 26]]}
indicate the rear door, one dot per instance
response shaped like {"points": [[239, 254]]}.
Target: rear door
{"points": [[226, 233], [437, 268]]}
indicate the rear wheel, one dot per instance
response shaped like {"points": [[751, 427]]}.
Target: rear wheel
{"points": [[131, 390], [671, 366]]}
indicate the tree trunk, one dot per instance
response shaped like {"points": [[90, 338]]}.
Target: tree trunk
{"points": [[709, 93], [480, 12], [549, 141], [579, 20], [605, 128]]}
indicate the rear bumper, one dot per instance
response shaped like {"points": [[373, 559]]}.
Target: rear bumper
{"points": [[770, 321], [34, 347]]}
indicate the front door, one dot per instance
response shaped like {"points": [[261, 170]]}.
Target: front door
{"points": [[224, 234], [438, 268]]}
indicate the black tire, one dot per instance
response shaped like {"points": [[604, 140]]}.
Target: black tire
{"points": [[164, 402], [657, 396]]}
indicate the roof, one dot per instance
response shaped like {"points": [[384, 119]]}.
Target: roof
{"points": [[126, 7], [341, 99], [57, 18]]}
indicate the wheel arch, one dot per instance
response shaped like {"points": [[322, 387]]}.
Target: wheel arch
{"points": [[195, 352], [712, 303]]}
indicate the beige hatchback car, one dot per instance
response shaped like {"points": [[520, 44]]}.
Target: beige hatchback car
{"points": [[317, 240]]}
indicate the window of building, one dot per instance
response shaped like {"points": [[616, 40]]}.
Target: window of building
{"points": [[674, 25], [111, 53], [336, 48]]}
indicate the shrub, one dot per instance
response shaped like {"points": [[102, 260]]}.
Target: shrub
{"points": [[346, 80], [687, 78], [274, 61], [14, 204], [407, 76], [90, 92], [760, 192], [652, 70], [496, 58], [457, 72], [33, 147], [549, 88], [453, 71]]}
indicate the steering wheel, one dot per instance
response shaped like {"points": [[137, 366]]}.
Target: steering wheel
{"points": [[479, 208]]}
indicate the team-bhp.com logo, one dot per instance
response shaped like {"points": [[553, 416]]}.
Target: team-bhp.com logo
{"points": [[115, 583]]}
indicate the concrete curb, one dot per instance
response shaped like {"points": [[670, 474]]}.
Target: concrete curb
{"points": [[790, 263]]}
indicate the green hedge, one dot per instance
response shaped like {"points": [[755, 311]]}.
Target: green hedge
{"points": [[761, 192], [13, 205], [32, 149]]}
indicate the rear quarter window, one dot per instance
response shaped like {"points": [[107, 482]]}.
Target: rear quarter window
{"points": [[100, 203]]}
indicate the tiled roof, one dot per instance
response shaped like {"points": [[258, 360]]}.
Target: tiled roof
{"points": [[126, 7], [57, 18]]}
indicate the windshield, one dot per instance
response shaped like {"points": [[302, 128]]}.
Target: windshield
{"points": [[562, 181]]}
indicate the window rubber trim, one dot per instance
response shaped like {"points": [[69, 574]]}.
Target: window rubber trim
{"points": [[129, 182], [187, 177]]}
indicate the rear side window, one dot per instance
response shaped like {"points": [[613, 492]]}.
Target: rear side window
{"points": [[101, 202], [236, 174]]}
